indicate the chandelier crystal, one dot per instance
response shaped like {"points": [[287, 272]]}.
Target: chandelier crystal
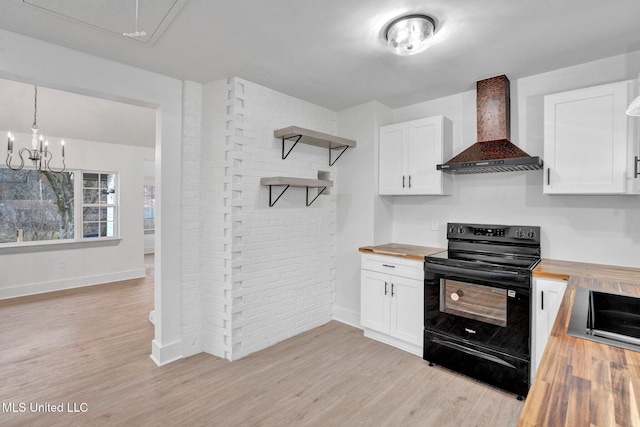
{"points": [[39, 152]]}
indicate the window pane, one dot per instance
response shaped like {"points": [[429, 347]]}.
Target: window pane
{"points": [[90, 229], [35, 206], [90, 197], [149, 208], [100, 221], [90, 180], [90, 214]]}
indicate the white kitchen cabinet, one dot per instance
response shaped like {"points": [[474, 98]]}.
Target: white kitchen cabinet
{"points": [[547, 296], [590, 144], [392, 294], [409, 153]]}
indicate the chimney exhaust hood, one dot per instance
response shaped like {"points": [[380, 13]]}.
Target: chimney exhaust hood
{"points": [[493, 152]]}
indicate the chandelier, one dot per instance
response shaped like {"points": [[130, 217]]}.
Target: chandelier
{"points": [[39, 152]]}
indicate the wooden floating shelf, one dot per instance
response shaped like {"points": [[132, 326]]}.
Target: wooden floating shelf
{"points": [[284, 181], [311, 137]]}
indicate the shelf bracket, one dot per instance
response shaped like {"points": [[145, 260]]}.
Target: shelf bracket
{"points": [[343, 148], [271, 203], [284, 156], [317, 195]]}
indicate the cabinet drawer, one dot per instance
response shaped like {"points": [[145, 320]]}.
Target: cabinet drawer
{"points": [[397, 266]]}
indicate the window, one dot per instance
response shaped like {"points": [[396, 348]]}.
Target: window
{"points": [[149, 209], [51, 206], [98, 204]]}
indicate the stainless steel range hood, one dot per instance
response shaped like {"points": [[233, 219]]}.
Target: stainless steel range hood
{"points": [[493, 152]]}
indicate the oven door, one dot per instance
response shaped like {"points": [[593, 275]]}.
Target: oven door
{"points": [[490, 309]]}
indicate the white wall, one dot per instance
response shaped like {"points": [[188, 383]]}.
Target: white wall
{"points": [[88, 264], [190, 256], [359, 207], [270, 271], [36, 62], [598, 229]]}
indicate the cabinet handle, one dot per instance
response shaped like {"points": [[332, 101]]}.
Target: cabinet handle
{"points": [[541, 300], [402, 181], [386, 291], [636, 160], [548, 176], [409, 181], [392, 290], [387, 265]]}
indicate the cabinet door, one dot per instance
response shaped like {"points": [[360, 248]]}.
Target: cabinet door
{"points": [[547, 296], [586, 140], [424, 153], [392, 178], [407, 313], [374, 300]]}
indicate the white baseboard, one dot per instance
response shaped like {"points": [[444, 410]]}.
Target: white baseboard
{"points": [[394, 342], [164, 354], [74, 282], [346, 316]]}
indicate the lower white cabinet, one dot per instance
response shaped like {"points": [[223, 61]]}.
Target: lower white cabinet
{"points": [[392, 294], [547, 296]]}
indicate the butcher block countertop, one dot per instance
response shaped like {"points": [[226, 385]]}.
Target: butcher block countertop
{"points": [[400, 250], [581, 382]]}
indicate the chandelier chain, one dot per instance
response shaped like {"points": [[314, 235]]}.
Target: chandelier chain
{"points": [[35, 107]]}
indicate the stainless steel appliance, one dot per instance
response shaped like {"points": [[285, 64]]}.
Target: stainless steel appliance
{"points": [[477, 309]]}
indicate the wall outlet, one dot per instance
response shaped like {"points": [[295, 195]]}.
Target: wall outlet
{"points": [[434, 225]]}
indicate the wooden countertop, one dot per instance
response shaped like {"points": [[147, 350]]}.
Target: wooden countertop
{"points": [[556, 269], [580, 382], [400, 250]]}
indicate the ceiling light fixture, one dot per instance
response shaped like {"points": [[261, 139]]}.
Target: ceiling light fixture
{"points": [[410, 34], [136, 33], [634, 107], [39, 153]]}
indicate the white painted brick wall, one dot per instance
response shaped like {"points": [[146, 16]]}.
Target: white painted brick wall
{"points": [[214, 214], [267, 272], [191, 290]]}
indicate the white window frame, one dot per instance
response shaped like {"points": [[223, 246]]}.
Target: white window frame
{"points": [[78, 220], [79, 212]]}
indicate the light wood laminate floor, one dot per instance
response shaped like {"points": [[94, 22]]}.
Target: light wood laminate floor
{"points": [[88, 349]]}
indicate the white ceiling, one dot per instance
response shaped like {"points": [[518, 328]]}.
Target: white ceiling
{"points": [[67, 115], [331, 52]]}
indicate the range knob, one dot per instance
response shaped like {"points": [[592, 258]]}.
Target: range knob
{"points": [[452, 230], [461, 230], [520, 233], [531, 234]]}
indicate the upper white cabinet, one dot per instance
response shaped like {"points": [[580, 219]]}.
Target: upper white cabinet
{"points": [[589, 142], [409, 153]]}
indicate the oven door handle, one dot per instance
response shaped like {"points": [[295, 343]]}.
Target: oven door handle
{"points": [[511, 276]]}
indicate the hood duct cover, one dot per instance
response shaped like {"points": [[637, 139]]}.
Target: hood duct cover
{"points": [[493, 152]]}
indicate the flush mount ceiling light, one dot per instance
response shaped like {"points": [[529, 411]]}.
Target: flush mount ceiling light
{"points": [[634, 107], [410, 34]]}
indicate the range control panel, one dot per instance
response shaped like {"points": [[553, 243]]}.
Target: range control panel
{"points": [[493, 232]]}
